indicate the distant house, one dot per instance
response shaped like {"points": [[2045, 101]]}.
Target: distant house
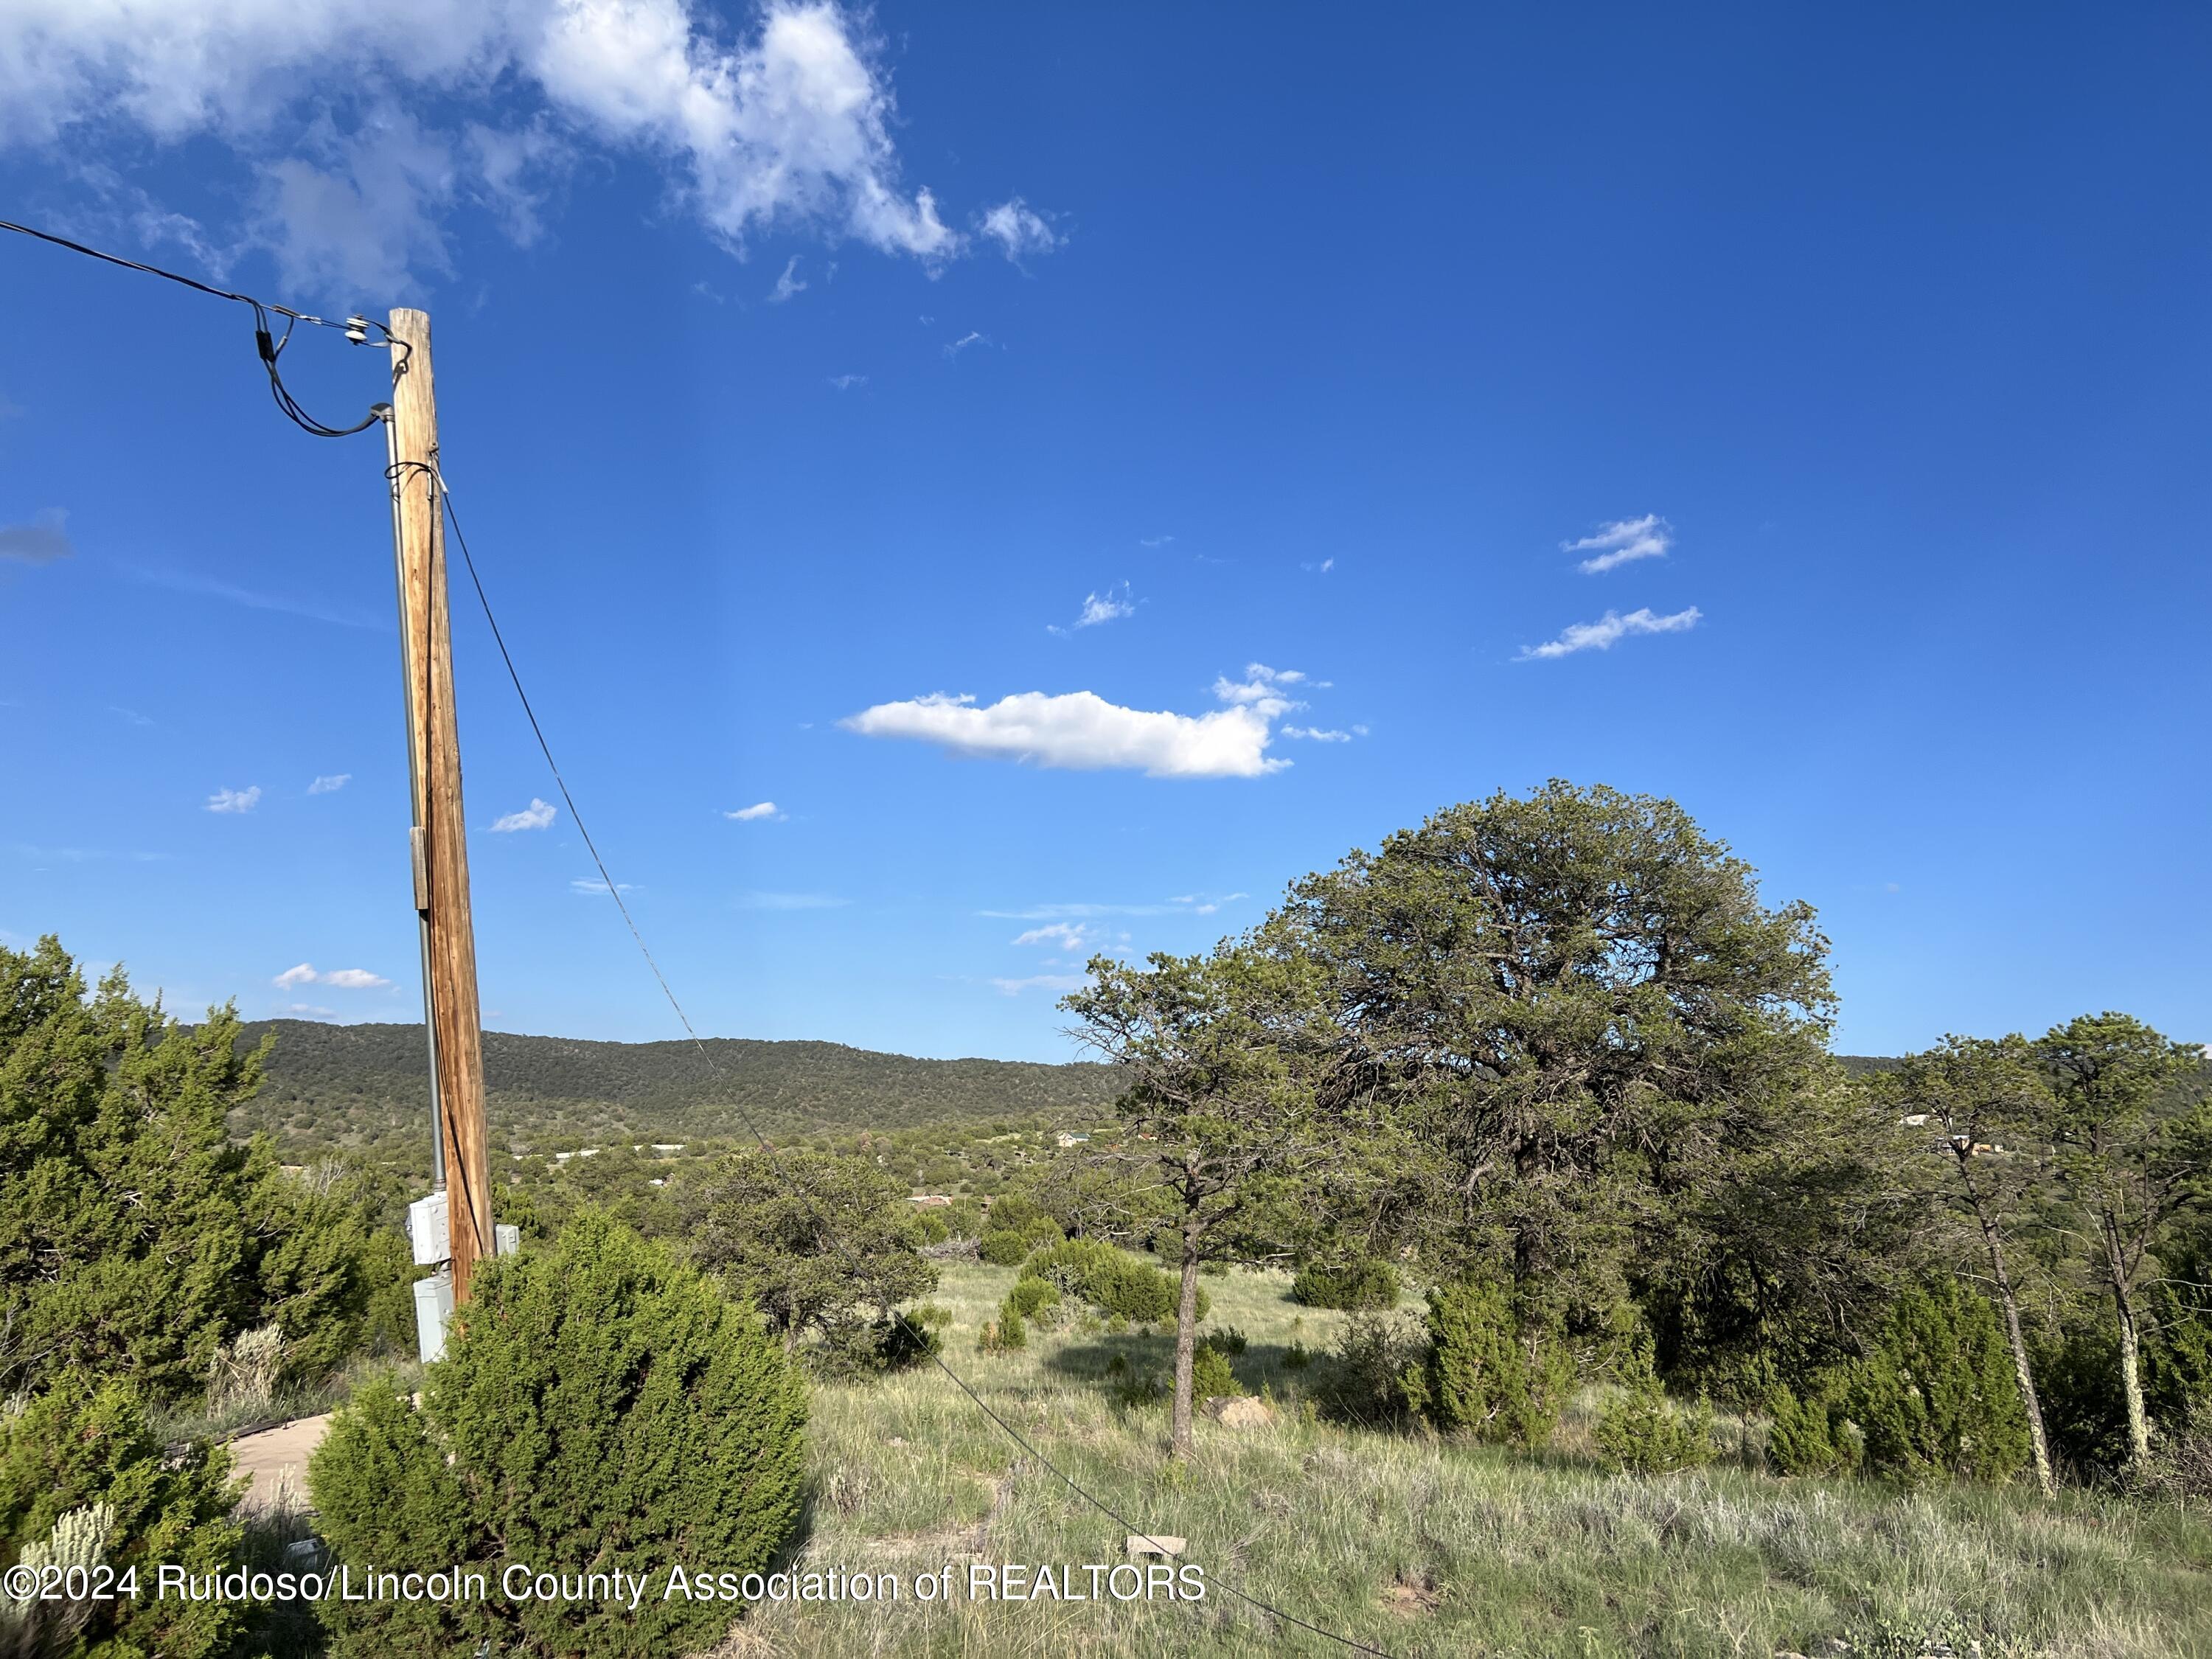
{"points": [[931, 1200], [1068, 1139]]}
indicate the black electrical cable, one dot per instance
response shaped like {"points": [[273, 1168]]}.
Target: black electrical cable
{"points": [[436, 481], [268, 346]]}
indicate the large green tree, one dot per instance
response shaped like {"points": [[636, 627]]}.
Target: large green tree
{"points": [[2131, 1131], [136, 1237], [1223, 1057], [1582, 1009]]}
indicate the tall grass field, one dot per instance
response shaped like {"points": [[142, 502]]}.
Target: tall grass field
{"points": [[1415, 1544]]}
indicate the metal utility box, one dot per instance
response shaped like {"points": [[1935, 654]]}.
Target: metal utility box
{"points": [[434, 1306], [426, 1231], [507, 1238]]}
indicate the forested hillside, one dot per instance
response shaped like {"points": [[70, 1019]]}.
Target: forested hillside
{"points": [[366, 1087]]}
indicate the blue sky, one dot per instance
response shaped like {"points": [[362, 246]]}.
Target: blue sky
{"points": [[804, 372]]}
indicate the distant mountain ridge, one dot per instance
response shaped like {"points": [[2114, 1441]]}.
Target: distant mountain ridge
{"points": [[366, 1087]]}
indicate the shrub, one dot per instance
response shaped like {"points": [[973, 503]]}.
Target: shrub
{"points": [[82, 1481], [600, 1405], [1110, 1280], [1489, 1373], [1210, 1376], [1366, 1380], [1003, 1248], [1032, 1297], [1937, 1395], [1006, 1334], [1804, 1436], [1642, 1431], [1229, 1340], [1360, 1285], [139, 1238]]}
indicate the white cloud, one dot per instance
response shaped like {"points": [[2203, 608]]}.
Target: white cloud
{"points": [[971, 337], [787, 285], [753, 814], [1321, 569], [1315, 734], [538, 815], [310, 1010], [1081, 731], [789, 126], [1154, 541], [595, 885], [329, 784], [235, 800], [1262, 689], [1019, 229], [346, 979], [846, 382], [1014, 988], [1623, 541], [1601, 634]]}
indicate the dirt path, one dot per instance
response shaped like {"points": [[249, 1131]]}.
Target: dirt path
{"points": [[276, 1458]]}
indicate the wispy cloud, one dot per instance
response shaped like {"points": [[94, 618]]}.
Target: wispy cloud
{"points": [[1154, 541], [1315, 734], [235, 800], [186, 582], [1110, 606], [1185, 904], [329, 783], [759, 901], [787, 285], [756, 812], [42, 541], [595, 886], [1321, 569], [1608, 630], [538, 815], [966, 340], [130, 714], [1072, 936], [1019, 230], [1621, 542], [1014, 988], [846, 382], [345, 979]]}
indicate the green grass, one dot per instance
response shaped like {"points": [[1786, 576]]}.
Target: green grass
{"points": [[1423, 1547]]}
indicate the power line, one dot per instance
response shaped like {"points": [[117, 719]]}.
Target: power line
{"points": [[268, 345], [436, 480]]}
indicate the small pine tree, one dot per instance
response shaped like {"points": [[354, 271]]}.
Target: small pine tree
{"points": [[1937, 1395], [1803, 1436], [601, 1406], [1642, 1431], [1008, 1334], [82, 1454], [1210, 1376], [1487, 1372]]}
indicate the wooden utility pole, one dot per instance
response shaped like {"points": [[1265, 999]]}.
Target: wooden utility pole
{"points": [[440, 832]]}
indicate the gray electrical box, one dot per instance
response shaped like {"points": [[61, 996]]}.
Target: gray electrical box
{"points": [[434, 1306], [426, 1231], [507, 1238]]}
